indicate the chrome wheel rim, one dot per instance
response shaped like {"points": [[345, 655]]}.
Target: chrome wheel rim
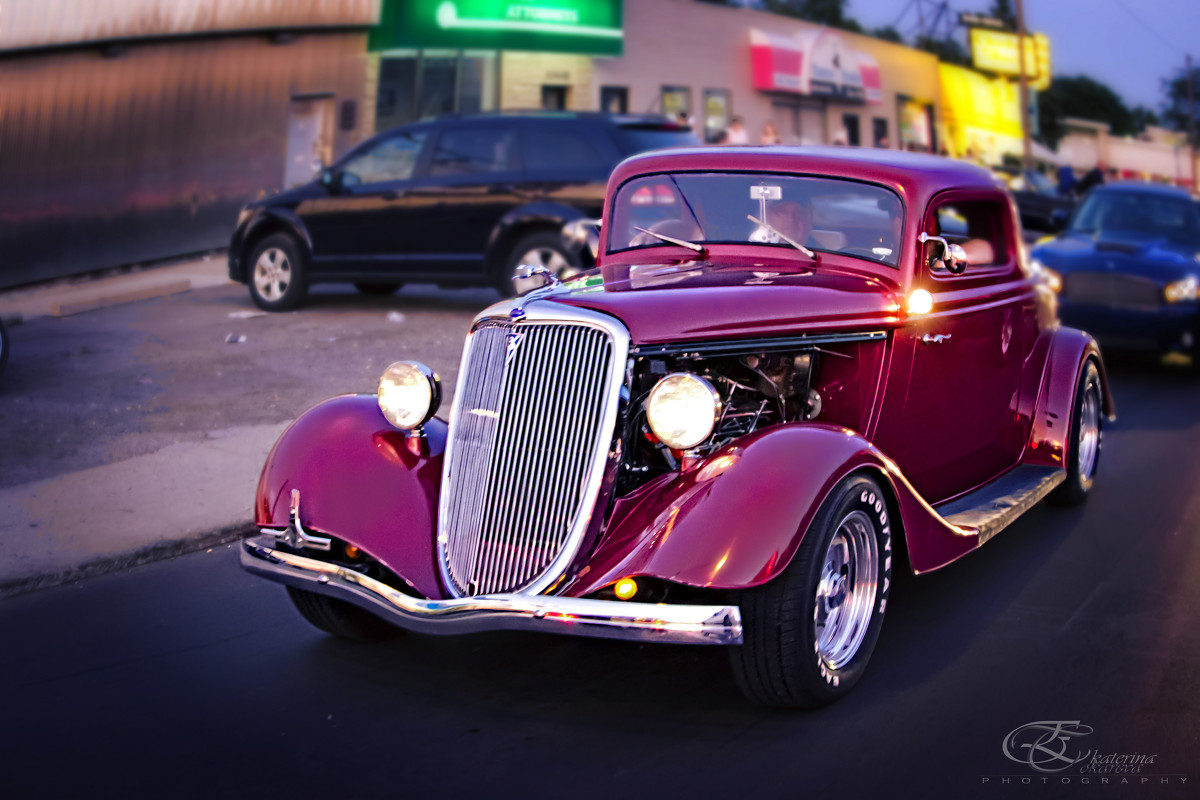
{"points": [[1089, 431], [845, 598], [272, 274], [551, 259]]}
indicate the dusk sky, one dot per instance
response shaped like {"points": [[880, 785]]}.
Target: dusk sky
{"points": [[1131, 45]]}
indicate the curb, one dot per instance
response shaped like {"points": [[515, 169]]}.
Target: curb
{"points": [[159, 551], [116, 298]]}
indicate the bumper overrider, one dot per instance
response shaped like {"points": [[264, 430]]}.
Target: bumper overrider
{"points": [[609, 619]]}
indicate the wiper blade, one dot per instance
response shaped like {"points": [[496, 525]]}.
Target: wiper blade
{"points": [[699, 248], [783, 236]]}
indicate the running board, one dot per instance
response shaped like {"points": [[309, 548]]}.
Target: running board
{"points": [[992, 508]]}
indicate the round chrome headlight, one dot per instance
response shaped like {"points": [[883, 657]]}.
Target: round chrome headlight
{"points": [[682, 410], [409, 394]]}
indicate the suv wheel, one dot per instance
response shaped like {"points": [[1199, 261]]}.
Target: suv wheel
{"points": [[277, 274], [542, 249]]}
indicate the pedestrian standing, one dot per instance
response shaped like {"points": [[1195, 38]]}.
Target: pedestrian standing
{"points": [[769, 134], [737, 132]]}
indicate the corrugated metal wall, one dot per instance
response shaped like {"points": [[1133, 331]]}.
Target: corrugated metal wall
{"points": [[41, 23], [106, 161]]}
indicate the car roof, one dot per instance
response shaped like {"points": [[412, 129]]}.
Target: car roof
{"points": [[915, 176], [1144, 187], [617, 119]]}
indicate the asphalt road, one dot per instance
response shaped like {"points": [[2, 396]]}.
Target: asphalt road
{"points": [[191, 679], [124, 381]]}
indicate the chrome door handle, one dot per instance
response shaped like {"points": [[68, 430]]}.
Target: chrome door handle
{"points": [[935, 338]]}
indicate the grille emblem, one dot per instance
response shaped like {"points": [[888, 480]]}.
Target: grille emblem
{"points": [[514, 341]]}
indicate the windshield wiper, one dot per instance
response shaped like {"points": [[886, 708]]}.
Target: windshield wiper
{"points": [[699, 248], [783, 236]]}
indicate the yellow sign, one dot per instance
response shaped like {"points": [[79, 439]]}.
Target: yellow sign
{"points": [[996, 51]]}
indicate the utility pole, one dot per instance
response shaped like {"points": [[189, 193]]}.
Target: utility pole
{"points": [[1024, 87], [1191, 121]]}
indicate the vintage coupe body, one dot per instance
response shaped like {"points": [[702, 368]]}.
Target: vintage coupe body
{"points": [[785, 383]]}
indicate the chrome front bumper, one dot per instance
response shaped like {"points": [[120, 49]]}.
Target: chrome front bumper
{"points": [[609, 619]]}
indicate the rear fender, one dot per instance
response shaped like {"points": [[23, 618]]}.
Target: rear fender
{"points": [[1070, 349], [737, 520], [362, 481], [520, 221]]}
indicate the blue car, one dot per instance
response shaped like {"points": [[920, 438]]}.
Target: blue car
{"points": [[1127, 268]]}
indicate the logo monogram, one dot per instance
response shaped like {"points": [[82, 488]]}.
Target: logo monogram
{"points": [[514, 341], [1042, 746]]}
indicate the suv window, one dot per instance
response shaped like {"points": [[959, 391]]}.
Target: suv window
{"points": [[474, 151], [558, 148], [977, 225], [392, 159]]}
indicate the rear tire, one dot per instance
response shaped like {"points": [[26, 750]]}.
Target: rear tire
{"points": [[277, 274], [339, 618], [1083, 458], [378, 289], [809, 633], [543, 248]]}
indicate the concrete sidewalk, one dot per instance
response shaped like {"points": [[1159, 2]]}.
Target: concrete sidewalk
{"points": [[76, 295], [182, 498]]}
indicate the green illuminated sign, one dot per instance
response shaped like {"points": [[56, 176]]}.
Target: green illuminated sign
{"points": [[555, 26]]}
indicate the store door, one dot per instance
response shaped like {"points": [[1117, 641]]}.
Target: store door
{"points": [[310, 139]]}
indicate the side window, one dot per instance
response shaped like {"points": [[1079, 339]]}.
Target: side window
{"points": [[392, 159], [474, 151], [559, 149], [976, 225]]}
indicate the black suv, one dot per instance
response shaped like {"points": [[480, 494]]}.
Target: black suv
{"points": [[455, 201]]}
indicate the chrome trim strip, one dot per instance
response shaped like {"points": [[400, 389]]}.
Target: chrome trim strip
{"points": [[758, 345], [515, 533], [609, 619]]}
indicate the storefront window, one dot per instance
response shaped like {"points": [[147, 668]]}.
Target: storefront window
{"points": [[554, 98], [850, 126], [716, 112], [676, 100], [916, 124], [879, 132], [419, 84], [614, 99]]}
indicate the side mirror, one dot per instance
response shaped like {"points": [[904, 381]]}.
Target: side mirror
{"points": [[331, 179], [527, 278], [582, 232], [954, 258]]}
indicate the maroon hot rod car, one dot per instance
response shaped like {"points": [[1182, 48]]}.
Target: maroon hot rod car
{"points": [[799, 370]]}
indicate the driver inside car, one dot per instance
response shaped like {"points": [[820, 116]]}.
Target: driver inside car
{"points": [[792, 219]]}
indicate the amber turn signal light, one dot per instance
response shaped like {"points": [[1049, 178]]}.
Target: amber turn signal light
{"points": [[352, 552], [625, 588]]}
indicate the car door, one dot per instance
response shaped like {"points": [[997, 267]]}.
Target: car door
{"points": [[360, 224], [473, 179], [951, 415], [567, 161]]}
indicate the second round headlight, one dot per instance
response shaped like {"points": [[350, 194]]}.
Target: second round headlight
{"points": [[409, 394], [682, 410]]}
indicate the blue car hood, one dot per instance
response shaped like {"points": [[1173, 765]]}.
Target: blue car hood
{"points": [[1159, 258]]}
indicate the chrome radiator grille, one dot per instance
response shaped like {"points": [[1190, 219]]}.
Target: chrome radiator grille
{"points": [[531, 429]]}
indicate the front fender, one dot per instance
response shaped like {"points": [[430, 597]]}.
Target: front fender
{"points": [[740, 526], [1069, 351], [265, 220], [363, 481]]}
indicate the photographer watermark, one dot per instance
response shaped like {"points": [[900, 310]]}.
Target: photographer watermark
{"points": [[1056, 752]]}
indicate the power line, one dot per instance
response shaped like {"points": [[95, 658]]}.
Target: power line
{"points": [[1150, 30]]}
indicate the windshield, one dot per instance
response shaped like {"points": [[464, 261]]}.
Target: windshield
{"points": [[1137, 212], [821, 214]]}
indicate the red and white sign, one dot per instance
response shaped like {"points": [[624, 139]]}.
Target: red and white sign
{"points": [[814, 63]]}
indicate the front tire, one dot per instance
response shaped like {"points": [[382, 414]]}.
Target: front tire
{"points": [[278, 279], [545, 249], [339, 618], [1083, 458], [810, 632]]}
